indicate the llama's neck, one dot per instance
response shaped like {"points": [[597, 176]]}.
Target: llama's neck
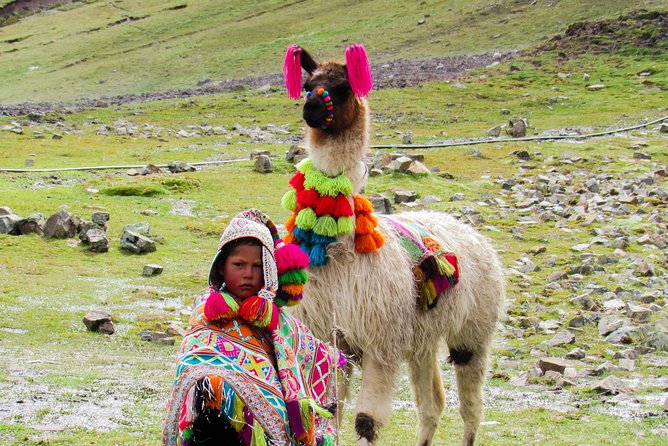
{"points": [[339, 152]]}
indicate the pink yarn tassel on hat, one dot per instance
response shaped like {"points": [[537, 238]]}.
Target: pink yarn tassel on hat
{"points": [[292, 71], [359, 71]]}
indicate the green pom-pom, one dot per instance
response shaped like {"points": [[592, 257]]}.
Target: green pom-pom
{"points": [[328, 186], [326, 225], [306, 218], [346, 225], [289, 200], [293, 276]]}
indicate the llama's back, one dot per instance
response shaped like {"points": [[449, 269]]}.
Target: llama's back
{"points": [[476, 301]]}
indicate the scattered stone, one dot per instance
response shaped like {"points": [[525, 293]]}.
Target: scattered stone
{"points": [[294, 151], [404, 196], [175, 330], [381, 204], [407, 138], [418, 168], [517, 128], [579, 321], [150, 169], [658, 341], [157, 337], [180, 167], [606, 367], [561, 338], [595, 87], [152, 269], [494, 132], [402, 164], [609, 324], [554, 364], [610, 385], [98, 240], [557, 275], [142, 227], [624, 335], [538, 249], [62, 224], [520, 380], [641, 156], [94, 319], [136, 242], [576, 354], [627, 364], [263, 164], [663, 128], [458, 196], [638, 313], [33, 224]]}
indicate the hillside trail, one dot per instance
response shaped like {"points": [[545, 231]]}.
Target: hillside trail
{"points": [[400, 73]]}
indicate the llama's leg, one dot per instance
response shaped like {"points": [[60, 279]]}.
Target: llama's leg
{"points": [[429, 395], [374, 401], [470, 370]]}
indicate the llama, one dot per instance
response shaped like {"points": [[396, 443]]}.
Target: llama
{"points": [[371, 299]]}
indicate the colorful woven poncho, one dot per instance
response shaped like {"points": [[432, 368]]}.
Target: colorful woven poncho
{"points": [[271, 389]]}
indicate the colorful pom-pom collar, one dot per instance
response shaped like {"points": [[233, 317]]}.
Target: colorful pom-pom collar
{"points": [[329, 105]]}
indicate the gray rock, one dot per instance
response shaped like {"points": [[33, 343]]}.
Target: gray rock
{"points": [[33, 224], [624, 335], [84, 227], [132, 172], [402, 164], [494, 132], [554, 364], [152, 269], [561, 338], [381, 204], [101, 219], [638, 313], [7, 223], [628, 365], [180, 167], [609, 324], [142, 227], [294, 151], [627, 353], [579, 321], [407, 138], [577, 353], [157, 337], [94, 318], [150, 169], [457, 196], [610, 385], [595, 87], [404, 196], [62, 224], [664, 129], [5, 210], [604, 368], [98, 240], [175, 330], [517, 128], [657, 340], [520, 380], [263, 164], [136, 243], [417, 168], [107, 327]]}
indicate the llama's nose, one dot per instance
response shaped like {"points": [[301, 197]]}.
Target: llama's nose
{"points": [[314, 113]]}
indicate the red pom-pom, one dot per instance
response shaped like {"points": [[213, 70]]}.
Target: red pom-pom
{"points": [[326, 205], [297, 181], [343, 207], [307, 198]]}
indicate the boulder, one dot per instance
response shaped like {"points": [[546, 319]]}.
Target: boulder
{"points": [[381, 204], [98, 240], [101, 219], [554, 364], [99, 320], [404, 196], [34, 224], [263, 164], [62, 224], [152, 269], [180, 167], [8, 222], [137, 243]]}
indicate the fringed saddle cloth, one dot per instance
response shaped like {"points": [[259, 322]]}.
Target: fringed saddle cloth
{"points": [[271, 388], [435, 265]]}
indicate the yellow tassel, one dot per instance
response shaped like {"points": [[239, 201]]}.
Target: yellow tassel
{"points": [[258, 438], [238, 420]]}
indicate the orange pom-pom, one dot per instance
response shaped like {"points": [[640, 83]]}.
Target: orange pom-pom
{"points": [[362, 205], [364, 243], [289, 238], [364, 224], [290, 224], [378, 239], [293, 289]]}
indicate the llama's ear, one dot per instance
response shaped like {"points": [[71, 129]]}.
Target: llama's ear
{"points": [[359, 71], [292, 71], [308, 64]]}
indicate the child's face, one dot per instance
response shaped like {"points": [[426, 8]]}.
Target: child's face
{"points": [[242, 271]]}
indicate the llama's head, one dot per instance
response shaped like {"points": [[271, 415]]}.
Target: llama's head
{"points": [[333, 90]]}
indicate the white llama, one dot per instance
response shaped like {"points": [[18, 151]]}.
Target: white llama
{"points": [[373, 296]]}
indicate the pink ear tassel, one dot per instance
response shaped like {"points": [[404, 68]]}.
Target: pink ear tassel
{"points": [[359, 71], [292, 70]]}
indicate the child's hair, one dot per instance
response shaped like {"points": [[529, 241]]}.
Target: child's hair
{"points": [[216, 278]]}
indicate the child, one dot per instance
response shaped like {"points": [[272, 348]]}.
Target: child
{"points": [[248, 373]]}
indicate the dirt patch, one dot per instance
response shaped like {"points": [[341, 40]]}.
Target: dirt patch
{"points": [[638, 30]]}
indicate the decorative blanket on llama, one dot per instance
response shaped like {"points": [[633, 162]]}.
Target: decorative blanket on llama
{"points": [[436, 267], [270, 386]]}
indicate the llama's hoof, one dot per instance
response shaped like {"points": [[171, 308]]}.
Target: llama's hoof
{"points": [[366, 428]]}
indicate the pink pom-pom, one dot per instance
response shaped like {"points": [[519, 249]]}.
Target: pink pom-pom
{"points": [[289, 256], [359, 71], [215, 306], [292, 71]]}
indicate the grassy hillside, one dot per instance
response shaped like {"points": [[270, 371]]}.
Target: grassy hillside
{"points": [[98, 48]]}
